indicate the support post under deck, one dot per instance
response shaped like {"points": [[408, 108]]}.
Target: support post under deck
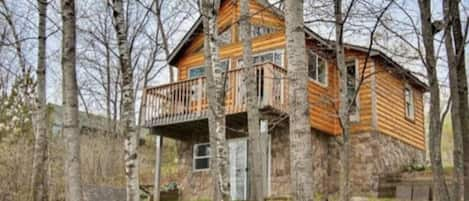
{"points": [[159, 147]]}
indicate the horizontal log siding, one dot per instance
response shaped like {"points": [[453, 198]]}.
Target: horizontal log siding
{"points": [[391, 109], [323, 100]]}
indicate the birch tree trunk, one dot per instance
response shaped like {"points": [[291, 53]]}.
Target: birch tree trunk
{"points": [[70, 102], [462, 89], [108, 88], [440, 189], [159, 139], [161, 29], [256, 148], [300, 131], [216, 99], [458, 194], [344, 114], [39, 185], [128, 103]]}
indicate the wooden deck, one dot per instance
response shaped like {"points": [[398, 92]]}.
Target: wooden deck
{"points": [[186, 100]]}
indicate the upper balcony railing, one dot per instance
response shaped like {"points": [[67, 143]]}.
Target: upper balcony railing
{"points": [[187, 100]]}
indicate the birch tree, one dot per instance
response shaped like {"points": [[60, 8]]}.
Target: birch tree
{"points": [[128, 109], [344, 117], [300, 131], [39, 171], [440, 188], [458, 87], [216, 100], [159, 139], [459, 37], [164, 38], [70, 103], [256, 156]]}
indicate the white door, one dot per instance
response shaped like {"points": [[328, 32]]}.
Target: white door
{"points": [[238, 168]]}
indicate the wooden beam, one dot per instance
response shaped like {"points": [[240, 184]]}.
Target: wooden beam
{"points": [[159, 147]]}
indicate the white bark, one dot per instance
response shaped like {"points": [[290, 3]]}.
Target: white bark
{"points": [[128, 103], [300, 131], [440, 189], [456, 116], [70, 102], [216, 101], [344, 114], [164, 38], [256, 148], [39, 171]]}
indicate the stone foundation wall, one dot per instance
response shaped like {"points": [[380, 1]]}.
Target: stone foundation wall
{"points": [[193, 185], [280, 166], [280, 162], [373, 155]]}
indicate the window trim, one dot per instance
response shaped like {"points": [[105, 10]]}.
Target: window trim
{"points": [[356, 117], [274, 28], [191, 68], [326, 84], [410, 117], [195, 157], [279, 50], [203, 66], [226, 29]]}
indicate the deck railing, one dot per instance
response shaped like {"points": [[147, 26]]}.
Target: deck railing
{"points": [[187, 100]]}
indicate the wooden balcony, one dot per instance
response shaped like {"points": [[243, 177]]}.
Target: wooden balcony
{"points": [[186, 100]]}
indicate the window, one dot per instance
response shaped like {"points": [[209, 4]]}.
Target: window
{"points": [[196, 72], [409, 103], [275, 57], [201, 157], [351, 89], [258, 30], [199, 71], [317, 68], [225, 37]]}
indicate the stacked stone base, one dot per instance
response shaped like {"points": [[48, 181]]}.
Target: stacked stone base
{"points": [[374, 155]]}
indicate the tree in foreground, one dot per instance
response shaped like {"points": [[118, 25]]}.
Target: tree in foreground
{"points": [[344, 114], [300, 132], [216, 101], [39, 172], [70, 103], [455, 105], [257, 149], [440, 189], [128, 103]]}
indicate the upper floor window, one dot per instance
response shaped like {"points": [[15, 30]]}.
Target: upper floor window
{"points": [[409, 103], [199, 71], [201, 157], [196, 72], [259, 30], [225, 37], [352, 84], [276, 57], [317, 68]]}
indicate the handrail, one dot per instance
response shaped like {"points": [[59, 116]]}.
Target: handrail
{"points": [[229, 71], [187, 99]]}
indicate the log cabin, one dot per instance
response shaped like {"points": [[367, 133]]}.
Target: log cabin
{"points": [[387, 131]]}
